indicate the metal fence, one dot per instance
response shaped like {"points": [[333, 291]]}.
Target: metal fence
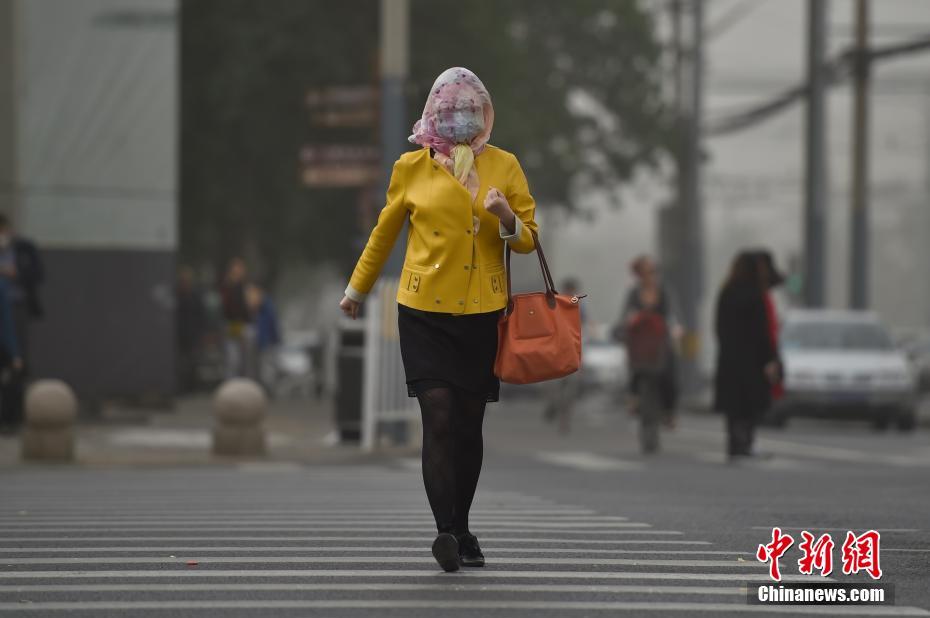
{"points": [[384, 390]]}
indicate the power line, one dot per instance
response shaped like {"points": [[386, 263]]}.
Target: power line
{"points": [[835, 71]]}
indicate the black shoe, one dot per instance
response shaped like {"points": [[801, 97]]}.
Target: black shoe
{"points": [[446, 551], [469, 551]]}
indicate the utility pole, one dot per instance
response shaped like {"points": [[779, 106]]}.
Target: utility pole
{"points": [[815, 212], [859, 217], [692, 219], [395, 62]]}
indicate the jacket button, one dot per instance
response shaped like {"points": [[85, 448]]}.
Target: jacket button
{"points": [[466, 267], [476, 301], [438, 301], [435, 265], [461, 302], [435, 232], [468, 231]]}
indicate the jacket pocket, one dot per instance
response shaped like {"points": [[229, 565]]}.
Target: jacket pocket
{"points": [[412, 277], [497, 278]]}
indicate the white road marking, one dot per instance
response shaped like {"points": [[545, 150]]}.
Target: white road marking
{"points": [[375, 559], [192, 573], [359, 528], [718, 608], [588, 462], [268, 524], [371, 586], [109, 514], [397, 538], [496, 550]]}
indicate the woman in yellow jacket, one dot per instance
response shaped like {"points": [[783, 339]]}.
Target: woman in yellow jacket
{"points": [[464, 199]]}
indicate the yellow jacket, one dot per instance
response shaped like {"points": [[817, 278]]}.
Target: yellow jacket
{"points": [[448, 267]]}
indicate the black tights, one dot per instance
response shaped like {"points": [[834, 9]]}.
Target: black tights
{"points": [[452, 453]]}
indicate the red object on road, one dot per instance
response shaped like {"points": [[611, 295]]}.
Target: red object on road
{"points": [[192, 563]]}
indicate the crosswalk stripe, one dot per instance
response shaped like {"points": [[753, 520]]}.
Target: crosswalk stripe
{"points": [[372, 586], [374, 559], [189, 573], [109, 514], [394, 529], [497, 550], [385, 522], [588, 462], [474, 604], [397, 538]]}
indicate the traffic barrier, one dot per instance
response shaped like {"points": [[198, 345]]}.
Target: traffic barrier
{"points": [[51, 409], [239, 407]]}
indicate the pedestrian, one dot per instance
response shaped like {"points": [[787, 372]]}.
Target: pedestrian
{"points": [[22, 272], [465, 198], [239, 335], [11, 363], [565, 392], [649, 298], [267, 334], [747, 364], [191, 318], [771, 279]]}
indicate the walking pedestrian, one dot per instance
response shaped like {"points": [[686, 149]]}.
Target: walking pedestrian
{"points": [[191, 320], [22, 272], [239, 336], [465, 198], [267, 334], [747, 364], [650, 303]]}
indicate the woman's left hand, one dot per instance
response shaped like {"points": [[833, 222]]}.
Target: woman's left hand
{"points": [[496, 204]]}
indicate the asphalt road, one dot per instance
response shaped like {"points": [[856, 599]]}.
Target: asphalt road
{"points": [[576, 525]]}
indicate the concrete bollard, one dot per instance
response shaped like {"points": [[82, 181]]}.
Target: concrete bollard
{"points": [[239, 406], [51, 409]]}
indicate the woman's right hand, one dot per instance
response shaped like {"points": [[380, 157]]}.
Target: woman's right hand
{"points": [[349, 307]]}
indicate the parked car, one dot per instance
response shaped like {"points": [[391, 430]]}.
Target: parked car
{"points": [[843, 364]]}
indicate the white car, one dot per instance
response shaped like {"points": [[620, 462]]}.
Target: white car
{"points": [[843, 364]]}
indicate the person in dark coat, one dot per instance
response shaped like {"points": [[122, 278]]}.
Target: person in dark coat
{"points": [[22, 273], [747, 363], [191, 325]]}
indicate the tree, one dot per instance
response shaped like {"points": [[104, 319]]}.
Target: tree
{"points": [[576, 85], [576, 88]]}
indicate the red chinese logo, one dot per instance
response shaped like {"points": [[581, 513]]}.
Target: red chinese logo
{"points": [[775, 550], [860, 553], [817, 554]]}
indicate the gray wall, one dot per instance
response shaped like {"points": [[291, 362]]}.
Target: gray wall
{"points": [[95, 181]]}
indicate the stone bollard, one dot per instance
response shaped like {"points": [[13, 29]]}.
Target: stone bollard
{"points": [[51, 409], [239, 406]]}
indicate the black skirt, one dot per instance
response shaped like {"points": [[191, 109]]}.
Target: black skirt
{"points": [[447, 348]]}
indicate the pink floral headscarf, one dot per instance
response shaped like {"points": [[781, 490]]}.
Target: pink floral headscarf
{"points": [[454, 86]]}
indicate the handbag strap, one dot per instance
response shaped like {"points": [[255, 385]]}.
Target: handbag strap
{"points": [[543, 266]]}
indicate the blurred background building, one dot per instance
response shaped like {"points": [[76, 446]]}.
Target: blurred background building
{"points": [[88, 170]]}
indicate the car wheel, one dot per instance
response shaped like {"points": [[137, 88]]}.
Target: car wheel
{"points": [[907, 421]]}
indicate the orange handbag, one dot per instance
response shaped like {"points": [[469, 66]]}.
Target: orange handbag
{"points": [[539, 333]]}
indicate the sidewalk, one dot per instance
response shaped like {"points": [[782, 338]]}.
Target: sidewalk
{"points": [[299, 431]]}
